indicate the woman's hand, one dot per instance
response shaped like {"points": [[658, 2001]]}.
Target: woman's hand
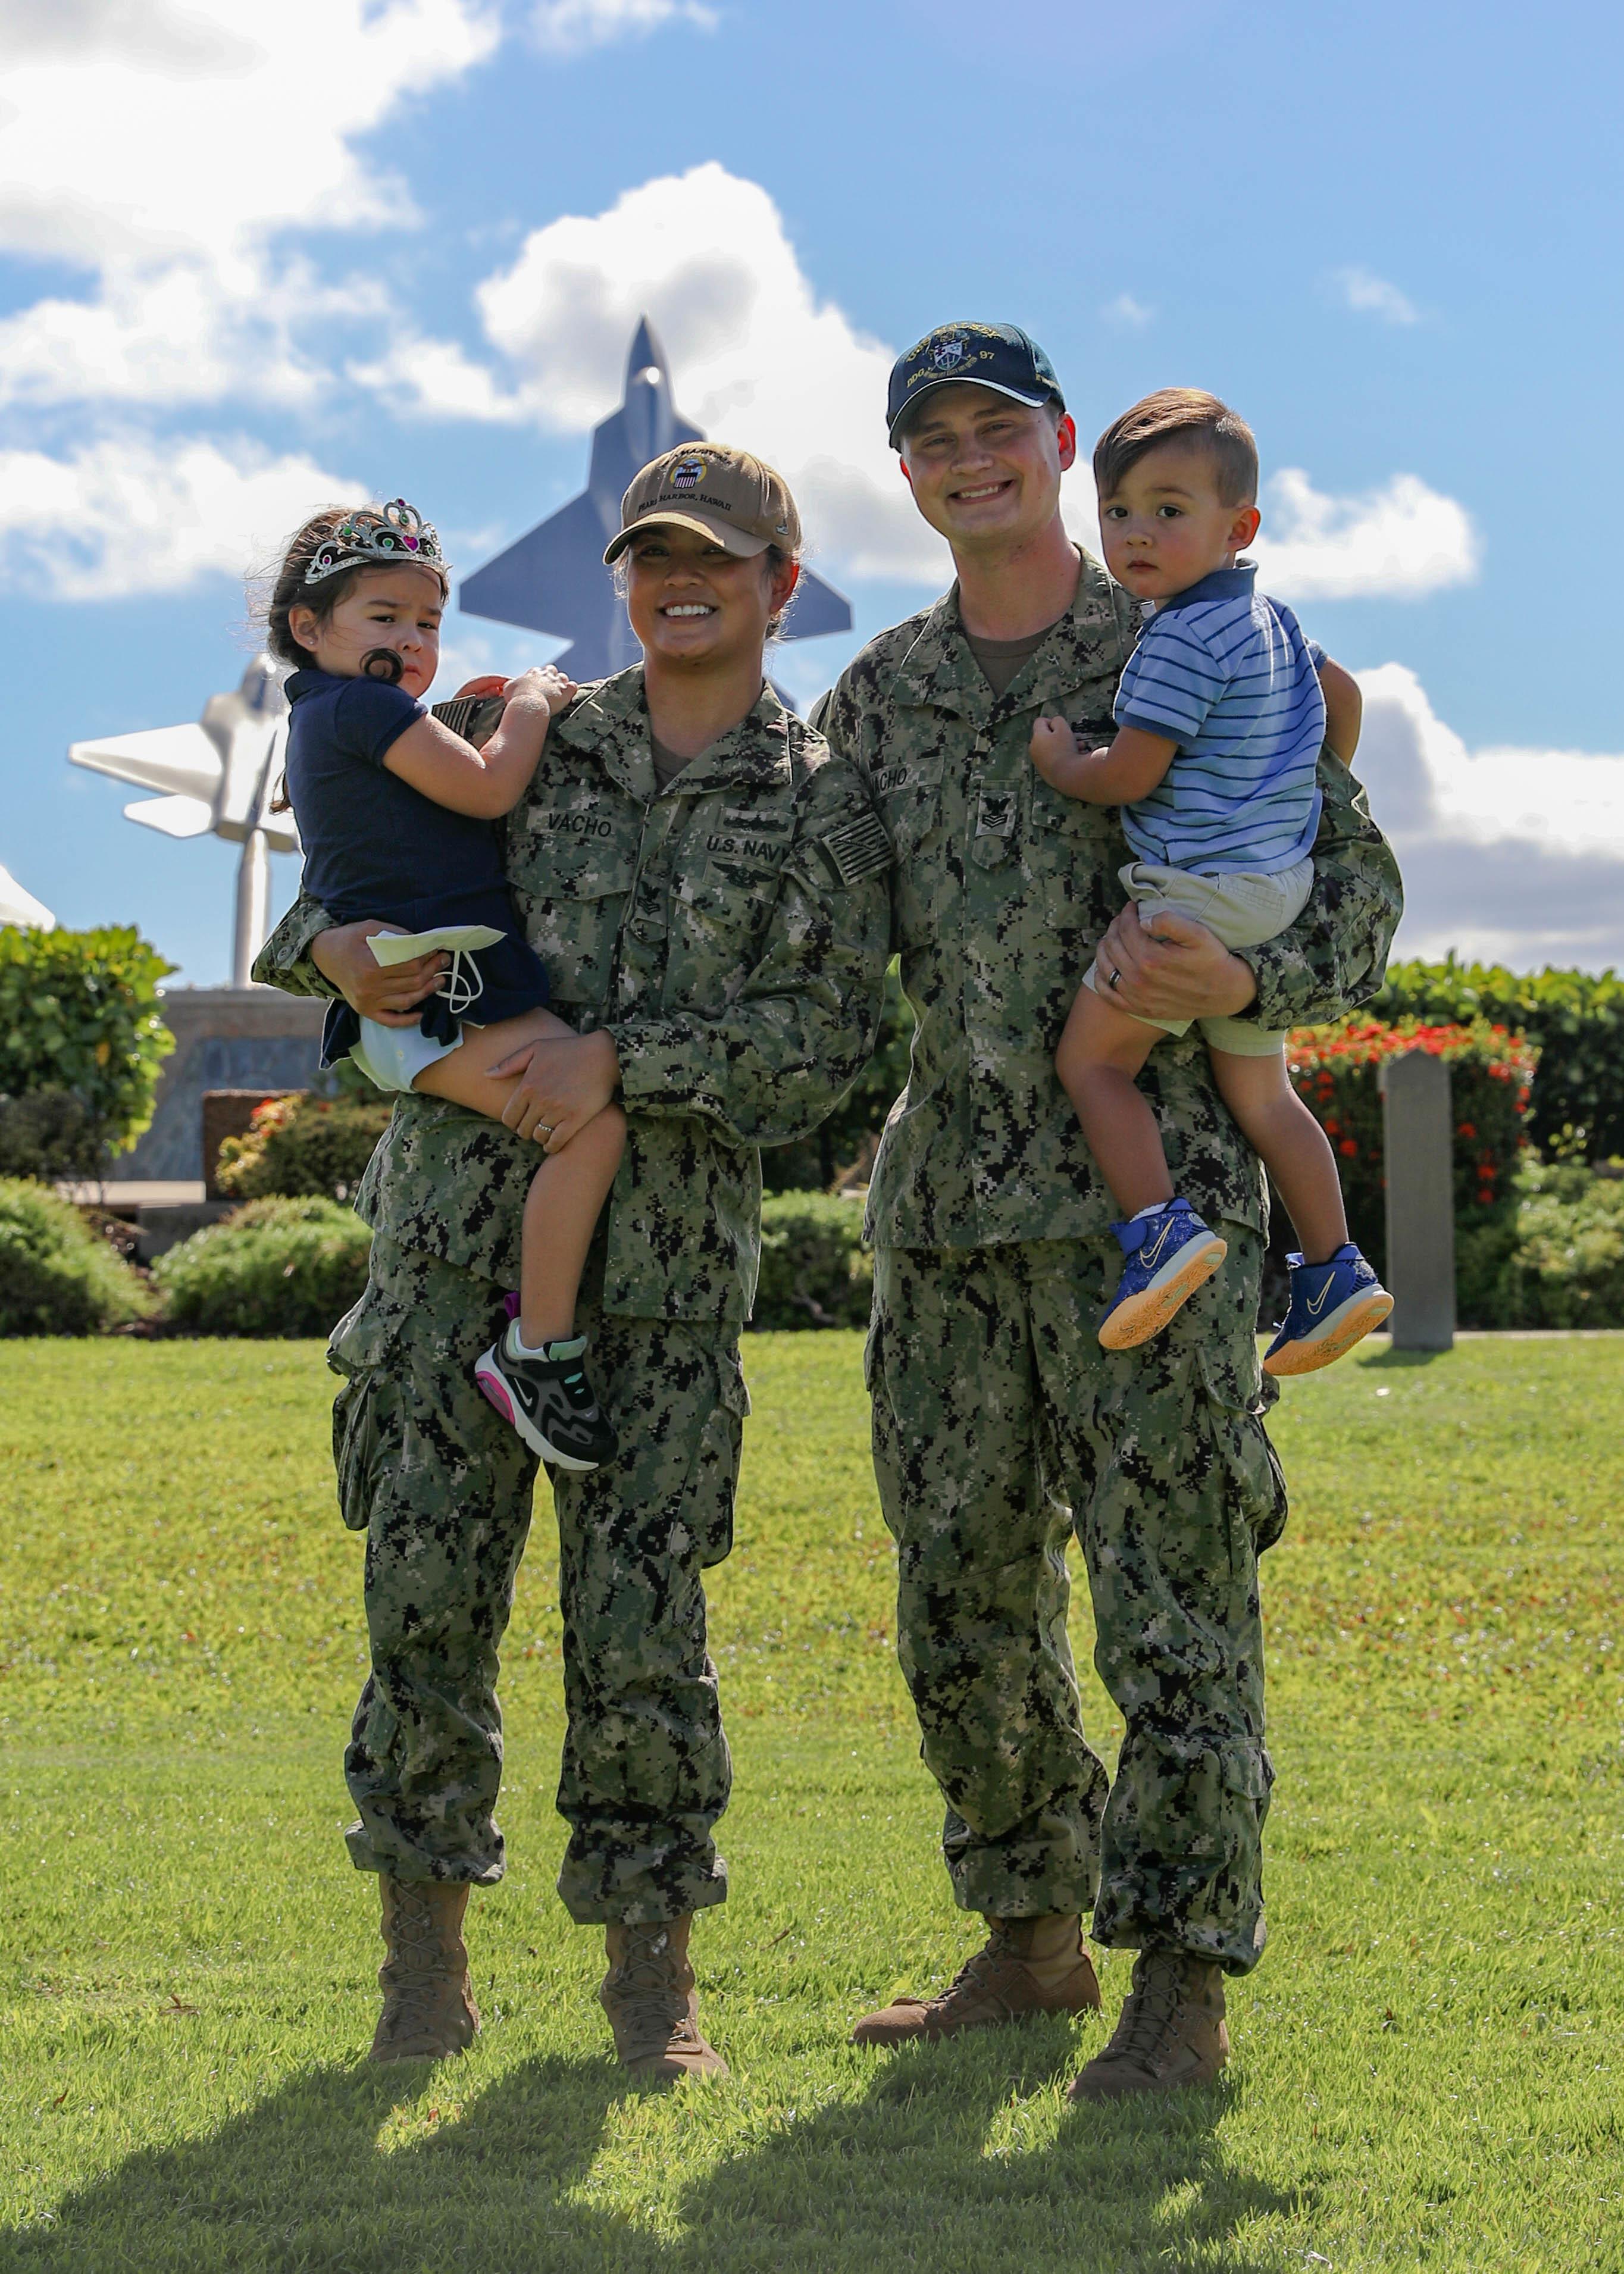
{"points": [[1181, 970], [561, 1085], [386, 992]]}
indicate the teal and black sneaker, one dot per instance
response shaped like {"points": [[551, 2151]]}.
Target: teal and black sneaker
{"points": [[549, 1400], [1169, 1254], [1333, 1305]]}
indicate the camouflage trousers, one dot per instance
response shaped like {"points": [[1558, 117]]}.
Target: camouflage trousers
{"points": [[442, 1489], [1001, 1429]]}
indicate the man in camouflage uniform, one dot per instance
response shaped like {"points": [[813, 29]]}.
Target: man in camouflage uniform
{"points": [[1001, 1427], [727, 931]]}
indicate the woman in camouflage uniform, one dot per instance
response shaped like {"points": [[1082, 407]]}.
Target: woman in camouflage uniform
{"points": [[706, 885]]}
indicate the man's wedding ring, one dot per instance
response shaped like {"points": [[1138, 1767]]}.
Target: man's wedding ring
{"points": [[1115, 977]]}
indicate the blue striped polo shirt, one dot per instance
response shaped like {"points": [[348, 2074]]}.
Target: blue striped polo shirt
{"points": [[1228, 673]]}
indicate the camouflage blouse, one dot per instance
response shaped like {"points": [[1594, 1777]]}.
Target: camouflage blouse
{"points": [[729, 932], [1001, 889]]}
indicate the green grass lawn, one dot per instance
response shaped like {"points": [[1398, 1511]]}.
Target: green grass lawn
{"points": [[1427, 2066]]}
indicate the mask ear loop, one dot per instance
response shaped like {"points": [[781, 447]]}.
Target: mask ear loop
{"points": [[463, 984], [384, 664]]}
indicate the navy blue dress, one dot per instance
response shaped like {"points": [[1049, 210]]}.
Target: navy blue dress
{"points": [[375, 847]]}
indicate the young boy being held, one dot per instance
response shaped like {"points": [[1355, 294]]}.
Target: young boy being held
{"points": [[1221, 715]]}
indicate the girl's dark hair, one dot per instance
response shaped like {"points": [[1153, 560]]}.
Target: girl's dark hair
{"points": [[288, 589]]}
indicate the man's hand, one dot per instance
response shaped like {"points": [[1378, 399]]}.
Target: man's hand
{"points": [[384, 993], [561, 1085], [1180, 970]]}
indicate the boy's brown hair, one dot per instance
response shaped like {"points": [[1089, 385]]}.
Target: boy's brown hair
{"points": [[1181, 414]]}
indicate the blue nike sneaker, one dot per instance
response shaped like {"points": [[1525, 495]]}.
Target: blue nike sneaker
{"points": [[1168, 1255], [1333, 1305]]}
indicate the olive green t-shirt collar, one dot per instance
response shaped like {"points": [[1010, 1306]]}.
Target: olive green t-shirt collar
{"points": [[940, 669]]}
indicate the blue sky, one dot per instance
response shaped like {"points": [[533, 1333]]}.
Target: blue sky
{"points": [[362, 248]]}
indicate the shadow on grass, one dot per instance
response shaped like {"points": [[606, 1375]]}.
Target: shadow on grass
{"points": [[931, 2167], [1390, 1361], [951, 2160]]}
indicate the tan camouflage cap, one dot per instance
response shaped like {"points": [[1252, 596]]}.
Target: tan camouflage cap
{"points": [[716, 491]]}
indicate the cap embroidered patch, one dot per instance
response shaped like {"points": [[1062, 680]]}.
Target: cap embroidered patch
{"points": [[1001, 357], [714, 492]]}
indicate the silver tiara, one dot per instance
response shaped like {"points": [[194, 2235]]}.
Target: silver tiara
{"points": [[372, 537]]}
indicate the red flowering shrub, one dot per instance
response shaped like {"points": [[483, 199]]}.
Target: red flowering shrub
{"points": [[301, 1147], [1336, 1069]]}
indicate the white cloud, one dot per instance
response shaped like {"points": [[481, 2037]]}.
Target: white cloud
{"points": [[1514, 855], [569, 27], [161, 148], [1370, 295], [1399, 542], [1132, 315], [124, 515], [758, 359], [118, 144]]}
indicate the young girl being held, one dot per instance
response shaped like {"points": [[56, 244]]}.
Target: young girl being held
{"points": [[398, 818]]}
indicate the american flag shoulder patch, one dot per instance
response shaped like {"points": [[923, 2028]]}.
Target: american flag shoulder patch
{"points": [[857, 849]]}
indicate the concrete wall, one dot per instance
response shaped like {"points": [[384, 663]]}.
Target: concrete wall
{"points": [[225, 1038]]}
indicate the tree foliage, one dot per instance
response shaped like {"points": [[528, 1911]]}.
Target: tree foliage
{"points": [[81, 1012]]}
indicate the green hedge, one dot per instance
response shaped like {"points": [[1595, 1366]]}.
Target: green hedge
{"points": [[1557, 1260], [1337, 1070], [51, 1135], [79, 1011], [277, 1267], [302, 1147], [1574, 1018], [814, 1271], [57, 1276]]}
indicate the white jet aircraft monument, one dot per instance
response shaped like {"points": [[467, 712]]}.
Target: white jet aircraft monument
{"points": [[218, 776]]}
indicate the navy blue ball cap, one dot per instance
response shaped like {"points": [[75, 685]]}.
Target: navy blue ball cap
{"points": [[999, 356]]}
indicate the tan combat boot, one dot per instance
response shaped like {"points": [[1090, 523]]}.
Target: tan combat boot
{"points": [[1169, 2033], [648, 1994], [1025, 1966], [428, 2004]]}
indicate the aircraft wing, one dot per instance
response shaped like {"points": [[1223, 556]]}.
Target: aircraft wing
{"points": [[816, 609], [17, 907], [181, 761], [551, 580], [176, 816]]}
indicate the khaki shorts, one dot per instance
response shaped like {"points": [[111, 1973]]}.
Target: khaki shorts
{"points": [[1243, 910]]}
